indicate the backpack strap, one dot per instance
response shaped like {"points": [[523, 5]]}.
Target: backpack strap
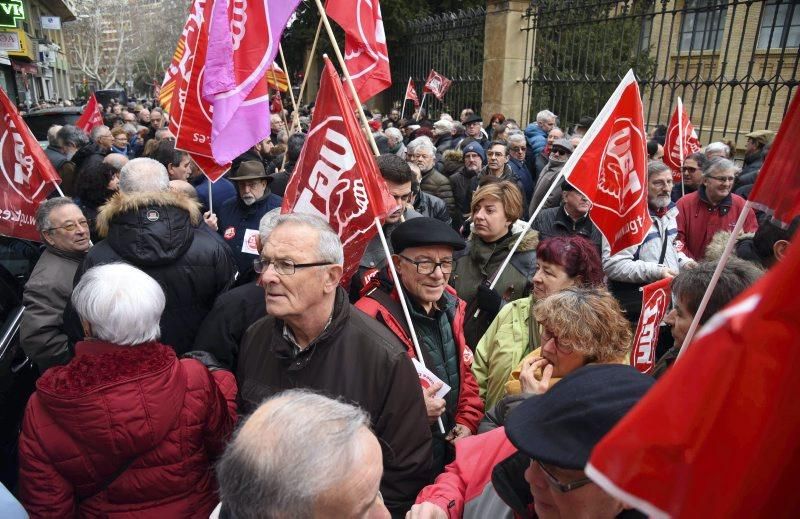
{"points": [[394, 308]]}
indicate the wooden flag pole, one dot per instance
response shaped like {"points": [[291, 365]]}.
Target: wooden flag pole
{"points": [[347, 78], [295, 115], [421, 106]]}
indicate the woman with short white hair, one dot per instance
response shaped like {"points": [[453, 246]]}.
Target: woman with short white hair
{"points": [[126, 427]]}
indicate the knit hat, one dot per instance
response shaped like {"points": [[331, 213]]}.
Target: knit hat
{"points": [[474, 147]]}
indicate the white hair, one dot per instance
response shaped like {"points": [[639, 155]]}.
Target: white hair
{"points": [[267, 224], [545, 115], [716, 147], [329, 246], [143, 175], [516, 135], [393, 133], [446, 117], [295, 447], [423, 142], [718, 165], [122, 303], [97, 130]]}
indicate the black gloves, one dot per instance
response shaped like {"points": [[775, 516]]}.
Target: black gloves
{"points": [[206, 358], [489, 301]]}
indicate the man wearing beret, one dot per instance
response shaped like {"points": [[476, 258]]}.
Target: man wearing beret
{"points": [[239, 216], [533, 467], [423, 256]]}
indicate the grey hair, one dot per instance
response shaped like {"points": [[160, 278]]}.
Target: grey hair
{"points": [[715, 147], [655, 167], [129, 128], [329, 246], [143, 175], [97, 130], [544, 115], [43, 223], [296, 446], [517, 135], [52, 135], [394, 133], [267, 223], [421, 142], [72, 135], [161, 133], [718, 164], [122, 303]]}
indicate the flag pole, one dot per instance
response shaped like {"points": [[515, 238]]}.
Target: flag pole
{"points": [[723, 260], [347, 78], [680, 143], [289, 84], [402, 298], [308, 65], [421, 105], [210, 195], [58, 188]]}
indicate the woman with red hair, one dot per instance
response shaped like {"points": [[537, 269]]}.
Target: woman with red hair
{"points": [[494, 121], [561, 262]]}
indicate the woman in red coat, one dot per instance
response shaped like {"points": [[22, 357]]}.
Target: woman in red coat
{"points": [[125, 429]]}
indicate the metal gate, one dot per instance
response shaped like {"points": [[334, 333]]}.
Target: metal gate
{"points": [[452, 44], [733, 63]]}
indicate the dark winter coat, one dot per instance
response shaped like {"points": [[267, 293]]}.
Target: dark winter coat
{"points": [[156, 233], [235, 217], [125, 431], [556, 222], [438, 185], [432, 207], [355, 358]]}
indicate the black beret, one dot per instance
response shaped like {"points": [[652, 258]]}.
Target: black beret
{"points": [[474, 118], [419, 232], [562, 426]]}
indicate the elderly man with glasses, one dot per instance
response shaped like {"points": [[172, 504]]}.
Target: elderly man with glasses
{"points": [[559, 153], [65, 233], [313, 338], [423, 256], [712, 208]]}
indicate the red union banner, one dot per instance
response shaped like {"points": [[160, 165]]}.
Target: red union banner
{"points": [[681, 141], [610, 168], [655, 302], [437, 85], [27, 174], [411, 93], [336, 177], [175, 77], [91, 116]]}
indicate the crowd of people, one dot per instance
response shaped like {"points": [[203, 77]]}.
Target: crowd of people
{"points": [[200, 355]]}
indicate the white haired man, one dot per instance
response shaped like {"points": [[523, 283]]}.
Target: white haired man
{"points": [[536, 132], [154, 229], [298, 436], [65, 233], [313, 338], [422, 152]]}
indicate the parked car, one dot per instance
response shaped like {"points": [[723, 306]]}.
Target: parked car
{"points": [[104, 97], [39, 121]]}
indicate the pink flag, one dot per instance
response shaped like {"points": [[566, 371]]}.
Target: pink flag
{"points": [[242, 46]]}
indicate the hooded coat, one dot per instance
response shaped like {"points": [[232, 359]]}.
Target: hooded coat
{"points": [[125, 431], [157, 233]]}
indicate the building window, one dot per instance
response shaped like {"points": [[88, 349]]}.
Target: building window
{"points": [[703, 25], [780, 25]]}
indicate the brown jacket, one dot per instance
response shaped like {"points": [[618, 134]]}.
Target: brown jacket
{"points": [[358, 359]]}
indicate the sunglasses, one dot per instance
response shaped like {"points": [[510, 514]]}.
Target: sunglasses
{"points": [[559, 151]]}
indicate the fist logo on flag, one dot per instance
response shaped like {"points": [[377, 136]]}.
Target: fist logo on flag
{"points": [[17, 166], [619, 188], [656, 300]]}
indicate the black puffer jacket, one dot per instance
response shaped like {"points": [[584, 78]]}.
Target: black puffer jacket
{"points": [[156, 233]]}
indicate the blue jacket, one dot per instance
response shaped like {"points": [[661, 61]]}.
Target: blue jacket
{"points": [[524, 175], [537, 138], [234, 218]]}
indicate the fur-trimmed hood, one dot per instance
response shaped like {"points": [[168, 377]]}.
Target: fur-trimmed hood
{"points": [[717, 244], [149, 228]]}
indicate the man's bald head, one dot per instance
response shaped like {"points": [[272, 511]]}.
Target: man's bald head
{"points": [[184, 188], [117, 160]]}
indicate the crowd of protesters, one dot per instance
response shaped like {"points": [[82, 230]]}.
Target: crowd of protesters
{"points": [[199, 356]]}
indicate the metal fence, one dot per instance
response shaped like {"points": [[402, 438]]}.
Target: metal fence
{"points": [[733, 63], [452, 44]]}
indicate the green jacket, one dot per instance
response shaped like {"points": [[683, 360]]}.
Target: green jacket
{"points": [[502, 348]]}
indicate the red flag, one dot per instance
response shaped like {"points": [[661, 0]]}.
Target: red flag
{"points": [[655, 302], [777, 188], [179, 66], [336, 177], [681, 141], [437, 85], [91, 116], [365, 52], [27, 174], [610, 168], [411, 93], [718, 435]]}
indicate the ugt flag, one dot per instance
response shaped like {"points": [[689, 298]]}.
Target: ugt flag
{"points": [[365, 53], [242, 44], [655, 302], [27, 174], [437, 85], [411, 93], [336, 177], [718, 435], [610, 168], [91, 116], [680, 142], [777, 188]]}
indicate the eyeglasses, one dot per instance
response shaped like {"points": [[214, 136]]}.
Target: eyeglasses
{"points": [[558, 485], [559, 151], [723, 179], [688, 169], [518, 148], [566, 349], [428, 266], [71, 226], [284, 267]]}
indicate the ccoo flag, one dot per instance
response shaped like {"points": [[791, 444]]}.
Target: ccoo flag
{"points": [[27, 174], [718, 435], [437, 84], [365, 53], [610, 168], [680, 142], [336, 177], [91, 116]]}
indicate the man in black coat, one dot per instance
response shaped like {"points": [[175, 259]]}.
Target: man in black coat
{"points": [[569, 219]]}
